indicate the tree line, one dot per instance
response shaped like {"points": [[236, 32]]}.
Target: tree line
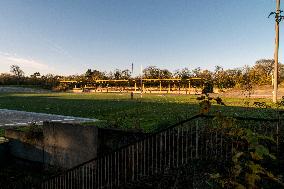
{"points": [[261, 73], [17, 77]]}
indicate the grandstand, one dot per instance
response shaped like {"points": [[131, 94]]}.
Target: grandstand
{"points": [[173, 85]]}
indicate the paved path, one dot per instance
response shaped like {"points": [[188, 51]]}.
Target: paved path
{"points": [[10, 118], [4, 89]]}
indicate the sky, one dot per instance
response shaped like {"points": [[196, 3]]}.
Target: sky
{"points": [[69, 37]]}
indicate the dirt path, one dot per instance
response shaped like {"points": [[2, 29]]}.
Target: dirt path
{"points": [[11, 118]]}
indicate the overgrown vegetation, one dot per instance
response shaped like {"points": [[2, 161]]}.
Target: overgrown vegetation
{"points": [[251, 157], [251, 161]]}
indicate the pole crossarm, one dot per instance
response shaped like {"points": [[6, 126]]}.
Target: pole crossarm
{"points": [[278, 16]]}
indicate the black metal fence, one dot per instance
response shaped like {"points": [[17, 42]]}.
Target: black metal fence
{"points": [[171, 148]]}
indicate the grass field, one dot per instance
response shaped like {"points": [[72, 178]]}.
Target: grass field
{"points": [[151, 112]]}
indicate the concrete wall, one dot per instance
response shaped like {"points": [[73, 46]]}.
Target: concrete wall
{"points": [[67, 145], [4, 153], [24, 146], [62, 145]]}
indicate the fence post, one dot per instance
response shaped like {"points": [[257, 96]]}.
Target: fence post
{"points": [[277, 135]]}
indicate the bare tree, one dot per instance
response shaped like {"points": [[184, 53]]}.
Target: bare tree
{"points": [[18, 72]]}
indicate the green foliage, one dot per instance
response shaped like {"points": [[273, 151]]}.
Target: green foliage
{"points": [[250, 151], [2, 132], [205, 103], [246, 167], [152, 72]]}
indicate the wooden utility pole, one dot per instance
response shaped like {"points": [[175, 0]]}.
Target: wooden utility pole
{"points": [[141, 80], [277, 21]]}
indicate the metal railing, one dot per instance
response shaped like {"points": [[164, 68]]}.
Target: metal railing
{"points": [[171, 148]]}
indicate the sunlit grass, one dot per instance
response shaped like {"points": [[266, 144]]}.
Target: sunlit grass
{"points": [[153, 111]]}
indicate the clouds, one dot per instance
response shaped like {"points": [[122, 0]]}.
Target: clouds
{"points": [[55, 47], [29, 64]]}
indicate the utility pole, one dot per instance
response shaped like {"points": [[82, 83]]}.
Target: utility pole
{"points": [[141, 80], [278, 18], [275, 86]]}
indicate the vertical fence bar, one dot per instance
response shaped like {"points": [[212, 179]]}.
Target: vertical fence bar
{"points": [[161, 152], [277, 136], [92, 175], [178, 147], [144, 155], [125, 162], [133, 162], [221, 144], [173, 147], [118, 168], [137, 159], [115, 170], [191, 142], [165, 146], [108, 170], [156, 152], [196, 140], [152, 155], [169, 152]]}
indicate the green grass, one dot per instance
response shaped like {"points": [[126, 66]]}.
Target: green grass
{"points": [[151, 112]]}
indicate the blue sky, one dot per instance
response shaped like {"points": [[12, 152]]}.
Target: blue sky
{"points": [[68, 37]]}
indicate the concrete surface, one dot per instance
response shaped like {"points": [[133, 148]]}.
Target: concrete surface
{"points": [[11, 118]]}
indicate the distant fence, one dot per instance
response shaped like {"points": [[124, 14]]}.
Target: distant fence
{"points": [[171, 148]]}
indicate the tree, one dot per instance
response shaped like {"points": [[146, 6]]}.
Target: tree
{"points": [[152, 72], [125, 74], [262, 71], [234, 77], [17, 72], [34, 78], [94, 75], [35, 75], [6, 79], [196, 72], [165, 74], [220, 77], [183, 73], [117, 74]]}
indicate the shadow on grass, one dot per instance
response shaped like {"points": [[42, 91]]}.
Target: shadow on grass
{"points": [[122, 112]]}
